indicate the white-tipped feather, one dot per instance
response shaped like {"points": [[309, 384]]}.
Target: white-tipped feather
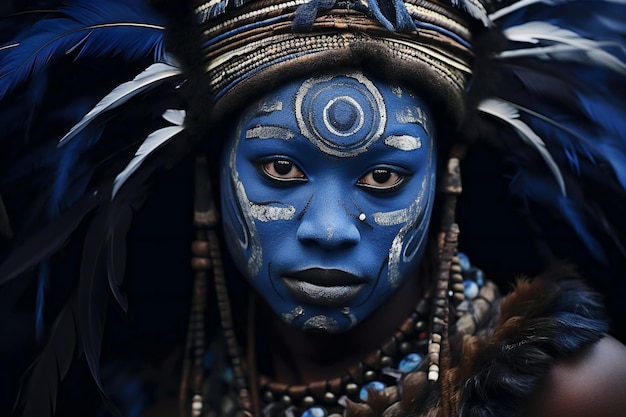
{"points": [[516, 6], [510, 115], [569, 46], [150, 77], [153, 142]]}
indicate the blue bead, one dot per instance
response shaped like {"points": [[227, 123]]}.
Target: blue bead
{"points": [[410, 363], [464, 261], [479, 277], [315, 412], [376, 385], [471, 289], [228, 374]]}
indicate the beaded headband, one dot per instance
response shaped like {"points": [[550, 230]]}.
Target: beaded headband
{"points": [[254, 45]]}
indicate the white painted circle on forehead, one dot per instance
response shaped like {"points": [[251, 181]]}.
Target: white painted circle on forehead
{"points": [[349, 127], [342, 115]]}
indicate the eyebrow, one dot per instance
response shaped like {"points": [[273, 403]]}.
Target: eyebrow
{"points": [[269, 132], [268, 107], [403, 142], [413, 115]]}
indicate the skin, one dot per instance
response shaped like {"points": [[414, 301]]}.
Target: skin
{"points": [[327, 191], [591, 384]]}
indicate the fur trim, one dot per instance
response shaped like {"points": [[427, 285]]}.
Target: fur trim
{"points": [[542, 322]]}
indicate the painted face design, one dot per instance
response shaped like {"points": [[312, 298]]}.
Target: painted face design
{"points": [[327, 190]]}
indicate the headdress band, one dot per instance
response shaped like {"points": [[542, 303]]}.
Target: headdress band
{"points": [[259, 44]]}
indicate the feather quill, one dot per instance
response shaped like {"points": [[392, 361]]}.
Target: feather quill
{"points": [[509, 115], [150, 77], [569, 46], [129, 29], [153, 142]]}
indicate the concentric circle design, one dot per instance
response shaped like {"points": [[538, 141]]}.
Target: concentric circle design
{"points": [[341, 115]]}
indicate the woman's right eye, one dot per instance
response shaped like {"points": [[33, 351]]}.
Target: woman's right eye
{"points": [[283, 170]]}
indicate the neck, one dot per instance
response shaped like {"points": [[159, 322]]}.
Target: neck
{"points": [[300, 358]]}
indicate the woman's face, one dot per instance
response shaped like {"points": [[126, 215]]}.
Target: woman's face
{"points": [[327, 190]]}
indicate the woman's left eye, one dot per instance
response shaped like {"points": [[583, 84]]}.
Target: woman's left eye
{"points": [[381, 179]]}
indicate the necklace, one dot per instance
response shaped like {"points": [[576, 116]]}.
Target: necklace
{"points": [[403, 353]]}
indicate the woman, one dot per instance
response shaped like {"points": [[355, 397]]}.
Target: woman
{"points": [[340, 119]]}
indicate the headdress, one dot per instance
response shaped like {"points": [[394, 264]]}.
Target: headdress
{"points": [[92, 103]]}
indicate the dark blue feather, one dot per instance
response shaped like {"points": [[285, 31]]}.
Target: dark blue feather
{"points": [[42, 286], [85, 29]]}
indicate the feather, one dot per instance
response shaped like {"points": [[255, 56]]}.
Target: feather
{"points": [[42, 287], [5, 224], [515, 6], [93, 297], [128, 29], [153, 142], [49, 239], [508, 114], [476, 10], [150, 77], [118, 225], [69, 156], [38, 396], [569, 48]]}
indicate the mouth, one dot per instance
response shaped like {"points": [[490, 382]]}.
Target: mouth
{"points": [[324, 287]]}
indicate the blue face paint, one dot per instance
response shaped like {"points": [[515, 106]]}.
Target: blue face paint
{"points": [[327, 190]]}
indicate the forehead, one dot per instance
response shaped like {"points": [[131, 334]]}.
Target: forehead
{"points": [[343, 115]]}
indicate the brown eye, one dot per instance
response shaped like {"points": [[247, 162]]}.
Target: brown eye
{"points": [[283, 170], [381, 179]]}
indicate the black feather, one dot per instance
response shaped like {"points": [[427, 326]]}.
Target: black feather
{"points": [[49, 240], [40, 386], [118, 225]]}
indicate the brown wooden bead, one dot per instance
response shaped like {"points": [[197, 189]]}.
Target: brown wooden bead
{"points": [[407, 327], [278, 388], [373, 360], [200, 248], [317, 388], [200, 264], [297, 391], [335, 385], [390, 348]]}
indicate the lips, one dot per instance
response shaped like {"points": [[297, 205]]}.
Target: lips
{"points": [[324, 287]]}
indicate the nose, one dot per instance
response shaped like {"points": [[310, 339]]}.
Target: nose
{"points": [[325, 222]]}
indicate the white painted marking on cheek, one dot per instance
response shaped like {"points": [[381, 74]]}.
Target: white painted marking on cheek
{"points": [[412, 215], [255, 261], [266, 213], [404, 142], [330, 232], [392, 218]]}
